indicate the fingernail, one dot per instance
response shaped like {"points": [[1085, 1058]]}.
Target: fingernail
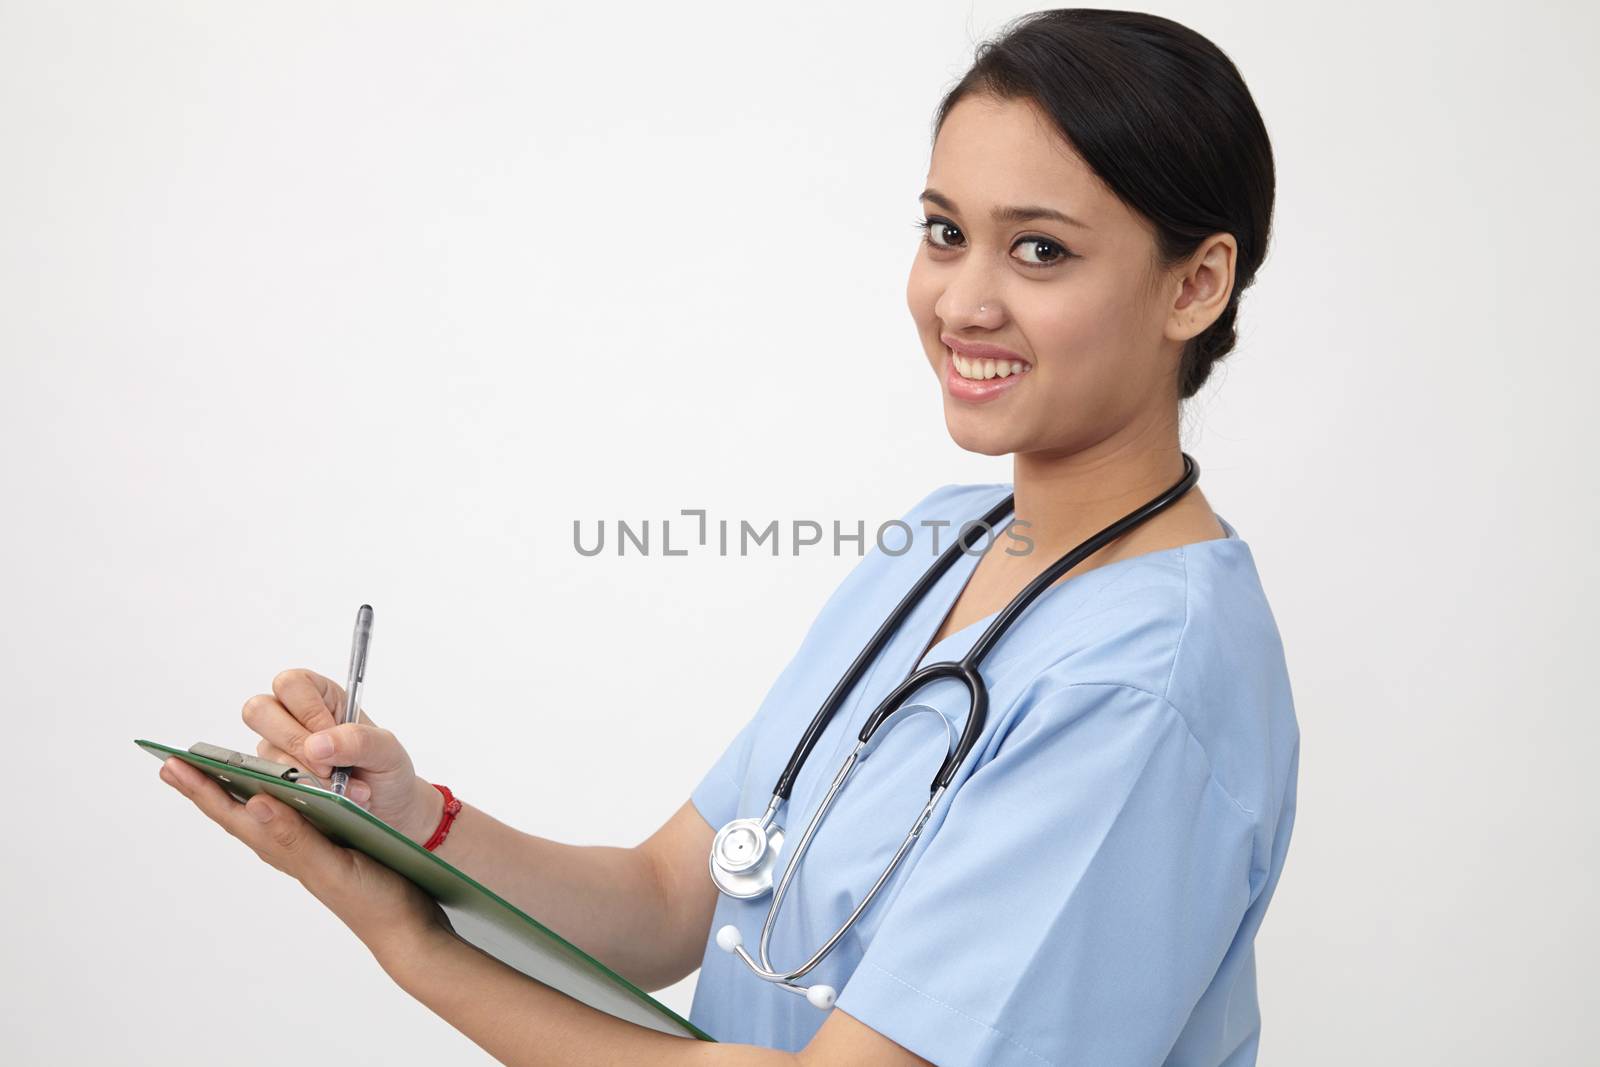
{"points": [[319, 746], [262, 812]]}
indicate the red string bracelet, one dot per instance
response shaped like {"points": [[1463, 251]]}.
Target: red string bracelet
{"points": [[452, 808]]}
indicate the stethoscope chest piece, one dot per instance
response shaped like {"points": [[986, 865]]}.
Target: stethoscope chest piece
{"points": [[743, 856]]}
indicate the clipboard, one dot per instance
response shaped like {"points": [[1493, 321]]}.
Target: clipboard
{"points": [[482, 918]]}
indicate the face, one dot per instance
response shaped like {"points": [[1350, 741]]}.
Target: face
{"points": [[1048, 334]]}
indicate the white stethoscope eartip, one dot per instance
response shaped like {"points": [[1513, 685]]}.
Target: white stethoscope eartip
{"points": [[822, 996], [819, 996]]}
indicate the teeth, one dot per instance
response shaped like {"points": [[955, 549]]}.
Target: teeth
{"points": [[983, 369]]}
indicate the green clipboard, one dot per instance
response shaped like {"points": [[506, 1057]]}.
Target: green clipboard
{"points": [[480, 917]]}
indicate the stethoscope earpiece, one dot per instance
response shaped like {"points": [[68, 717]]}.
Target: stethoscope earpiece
{"points": [[730, 940]]}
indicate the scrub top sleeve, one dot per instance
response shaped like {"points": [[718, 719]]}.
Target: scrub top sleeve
{"points": [[1076, 899], [717, 795]]}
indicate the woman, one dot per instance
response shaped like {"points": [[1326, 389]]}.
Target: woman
{"points": [[1088, 889]]}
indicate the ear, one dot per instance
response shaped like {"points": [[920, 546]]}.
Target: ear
{"points": [[1204, 285]]}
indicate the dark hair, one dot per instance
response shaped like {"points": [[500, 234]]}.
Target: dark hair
{"points": [[1162, 116]]}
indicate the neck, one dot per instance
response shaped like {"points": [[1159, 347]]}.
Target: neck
{"points": [[1066, 498]]}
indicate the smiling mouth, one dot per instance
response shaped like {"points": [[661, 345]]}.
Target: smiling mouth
{"points": [[978, 370]]}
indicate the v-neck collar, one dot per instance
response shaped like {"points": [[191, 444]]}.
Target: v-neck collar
{"points": [[969, 564]]}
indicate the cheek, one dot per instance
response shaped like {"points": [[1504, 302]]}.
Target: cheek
{"points": [[1085, 332], [922, 293], [1067, 333]]}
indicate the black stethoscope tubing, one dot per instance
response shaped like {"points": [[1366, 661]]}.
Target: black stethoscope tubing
{"points": [[964, 670]]}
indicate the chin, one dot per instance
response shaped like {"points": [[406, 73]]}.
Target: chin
{"points": [[977, 435]]}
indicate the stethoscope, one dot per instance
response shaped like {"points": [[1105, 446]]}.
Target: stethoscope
{"points": [[745, 852]]}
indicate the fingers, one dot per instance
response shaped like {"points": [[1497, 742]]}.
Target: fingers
{"points": [[271, 828], [302, 702], [267, 750], [316, 701], [282, 730], [357, 790], [354, 744]]}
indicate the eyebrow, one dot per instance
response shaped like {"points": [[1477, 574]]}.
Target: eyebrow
{"points": [[1005, 215]]}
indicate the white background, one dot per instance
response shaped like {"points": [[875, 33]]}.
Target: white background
{"points": [[308, 305]]}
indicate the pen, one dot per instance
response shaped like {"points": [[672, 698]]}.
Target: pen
{"points": [[352, 690]]}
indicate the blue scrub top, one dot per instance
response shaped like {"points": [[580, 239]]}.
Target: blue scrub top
{"points": [[1089, 889]]}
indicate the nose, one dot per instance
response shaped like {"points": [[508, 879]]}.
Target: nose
{"points": [[970, 300]]}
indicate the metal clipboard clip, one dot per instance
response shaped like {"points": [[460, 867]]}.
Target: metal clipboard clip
{"points": [[285, 771]]}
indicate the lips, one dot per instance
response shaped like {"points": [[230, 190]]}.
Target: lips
{"points": [[978, 390], [982, 350]]}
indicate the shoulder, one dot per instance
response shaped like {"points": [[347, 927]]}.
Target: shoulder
{"points": [[1230, 679], [1192, 629]]}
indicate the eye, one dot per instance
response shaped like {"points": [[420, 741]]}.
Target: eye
{"points": [[936, 232], [1046, 251]]}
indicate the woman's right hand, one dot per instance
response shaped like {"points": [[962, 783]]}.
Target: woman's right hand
{"points": [[299, 724]]}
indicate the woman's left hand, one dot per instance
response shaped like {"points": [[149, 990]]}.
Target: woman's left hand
{"points": [[391, 916]]}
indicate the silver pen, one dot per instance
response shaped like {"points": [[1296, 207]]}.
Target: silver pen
{"points": [[352, 690]]}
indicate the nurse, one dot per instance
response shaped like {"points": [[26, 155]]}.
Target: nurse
{"points": [[1089, 888]]}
